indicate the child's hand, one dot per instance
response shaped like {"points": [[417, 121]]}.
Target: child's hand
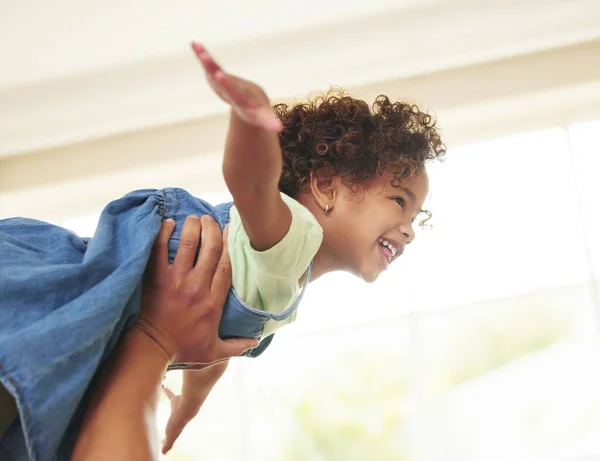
{"points": [[247, 99], [182, 412]]}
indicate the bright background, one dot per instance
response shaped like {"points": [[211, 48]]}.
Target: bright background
{"points": [[481, 342]]}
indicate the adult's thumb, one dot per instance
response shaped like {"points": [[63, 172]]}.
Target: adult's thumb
{"points": [[234, 347]]}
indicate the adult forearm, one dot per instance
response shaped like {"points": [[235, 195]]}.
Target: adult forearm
{"points": [[120, 423]]}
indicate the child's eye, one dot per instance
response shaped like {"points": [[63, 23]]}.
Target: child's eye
{"points": [[400, 201]]}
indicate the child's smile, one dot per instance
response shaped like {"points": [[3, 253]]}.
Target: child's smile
{"points": [[389, 249], [367, 228]]}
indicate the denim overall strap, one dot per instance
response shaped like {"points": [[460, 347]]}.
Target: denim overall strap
{"points": [[266, 342]]}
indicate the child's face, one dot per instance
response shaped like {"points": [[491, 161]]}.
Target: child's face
{"points": [[367, 230]]}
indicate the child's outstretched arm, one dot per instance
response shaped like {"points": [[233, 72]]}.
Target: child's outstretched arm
{"points": [[252, 161]]}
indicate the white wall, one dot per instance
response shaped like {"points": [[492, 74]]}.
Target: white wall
{"points": [[473, 102]]}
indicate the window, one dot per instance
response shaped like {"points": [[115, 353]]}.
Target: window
{"points": [[587, 163]]}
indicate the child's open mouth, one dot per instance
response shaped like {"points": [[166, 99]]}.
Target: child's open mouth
{"points": [[389, 249]]}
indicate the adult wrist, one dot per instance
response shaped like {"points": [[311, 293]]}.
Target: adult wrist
{"points": [[163, 338]]}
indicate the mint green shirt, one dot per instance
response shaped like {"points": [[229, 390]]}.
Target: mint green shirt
{"points": [[268, 280]]}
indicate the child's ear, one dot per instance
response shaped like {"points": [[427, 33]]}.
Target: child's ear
{"points": [[324, 187]]}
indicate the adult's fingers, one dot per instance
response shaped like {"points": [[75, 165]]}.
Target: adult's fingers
{"points": [[159, 257], [189, 240], [210, 252], [234, 347], [221, 282]]}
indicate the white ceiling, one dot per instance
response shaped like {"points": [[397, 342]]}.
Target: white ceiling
{"points": [[40, 40], [79, 70]]}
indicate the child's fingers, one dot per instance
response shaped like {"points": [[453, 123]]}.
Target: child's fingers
{"points": [[167, 445], [207, 61], [218, 89], [172, 433], [231, 85], [197, 47], [169, 393], [214, 73], [221, 84], [228, 87], [159, 257]]}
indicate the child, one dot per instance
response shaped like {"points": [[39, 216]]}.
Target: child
{"points": [[317, 187]]}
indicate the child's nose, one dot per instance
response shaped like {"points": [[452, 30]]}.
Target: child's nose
{"points": [[408, 232]]}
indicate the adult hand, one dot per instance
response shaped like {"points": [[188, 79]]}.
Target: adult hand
{"points": [[182, 303], [180, 314]]}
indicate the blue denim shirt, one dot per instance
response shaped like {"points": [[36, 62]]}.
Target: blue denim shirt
{"points": [[66, 300]]}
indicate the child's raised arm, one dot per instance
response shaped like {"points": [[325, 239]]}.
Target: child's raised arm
{"points": [[252, 161]]}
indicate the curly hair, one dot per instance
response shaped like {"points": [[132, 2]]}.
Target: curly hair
{"points": [[336, 131]]}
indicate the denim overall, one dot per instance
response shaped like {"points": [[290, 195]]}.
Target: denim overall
{"points": [[66, 300]]}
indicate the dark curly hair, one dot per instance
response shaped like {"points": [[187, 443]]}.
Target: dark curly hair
{"points": [[336, 131]]}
